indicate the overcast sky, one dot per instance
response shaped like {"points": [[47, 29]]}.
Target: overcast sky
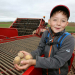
{"points": [[12, 9]]}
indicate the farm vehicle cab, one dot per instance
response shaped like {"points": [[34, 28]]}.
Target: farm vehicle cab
{"points": [[23, 34]]}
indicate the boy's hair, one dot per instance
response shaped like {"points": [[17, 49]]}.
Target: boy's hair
{"points": [[64, 13], [63, 8]]}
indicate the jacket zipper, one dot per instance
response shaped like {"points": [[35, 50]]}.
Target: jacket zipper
{"points": [[50, 53], [59, 70]]}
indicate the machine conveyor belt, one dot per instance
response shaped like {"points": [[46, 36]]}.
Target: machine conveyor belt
{"points": [[9, 50]]}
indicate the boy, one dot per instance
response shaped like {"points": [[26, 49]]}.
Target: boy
{"points": [[56, 59]]}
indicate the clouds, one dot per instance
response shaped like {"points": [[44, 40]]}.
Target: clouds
{"points": [[10, 10]]}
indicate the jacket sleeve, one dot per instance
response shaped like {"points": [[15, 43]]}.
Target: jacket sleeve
{"points": [[39, 50], [61, 56]]}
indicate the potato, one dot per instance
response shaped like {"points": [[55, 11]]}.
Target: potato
{"points": [[17, 60], [27, 57], [20, 54], [22, 60]]}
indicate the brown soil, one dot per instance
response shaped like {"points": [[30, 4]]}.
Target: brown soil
{"points": [[74, 37], [72, 71], [71, 24]]}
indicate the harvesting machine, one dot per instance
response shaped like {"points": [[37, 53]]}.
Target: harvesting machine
{"points": [[23, 34]]}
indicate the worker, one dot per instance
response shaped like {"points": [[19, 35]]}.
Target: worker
{"points": [[55, 61]]}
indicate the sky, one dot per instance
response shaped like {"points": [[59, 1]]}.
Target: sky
{"points": [[12, 9]]}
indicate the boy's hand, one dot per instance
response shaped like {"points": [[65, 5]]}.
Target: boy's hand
{"points": [[26, 53], [26, 64]]}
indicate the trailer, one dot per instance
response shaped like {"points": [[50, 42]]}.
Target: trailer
{"points": [[23, 34]]}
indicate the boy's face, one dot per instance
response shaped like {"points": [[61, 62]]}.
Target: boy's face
{"points": [[58, 22]]}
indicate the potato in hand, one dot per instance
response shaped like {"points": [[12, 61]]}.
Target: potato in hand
{"points": [[17, 60]]}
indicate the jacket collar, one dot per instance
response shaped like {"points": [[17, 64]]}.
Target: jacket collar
{"points": [[56, 34]]}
